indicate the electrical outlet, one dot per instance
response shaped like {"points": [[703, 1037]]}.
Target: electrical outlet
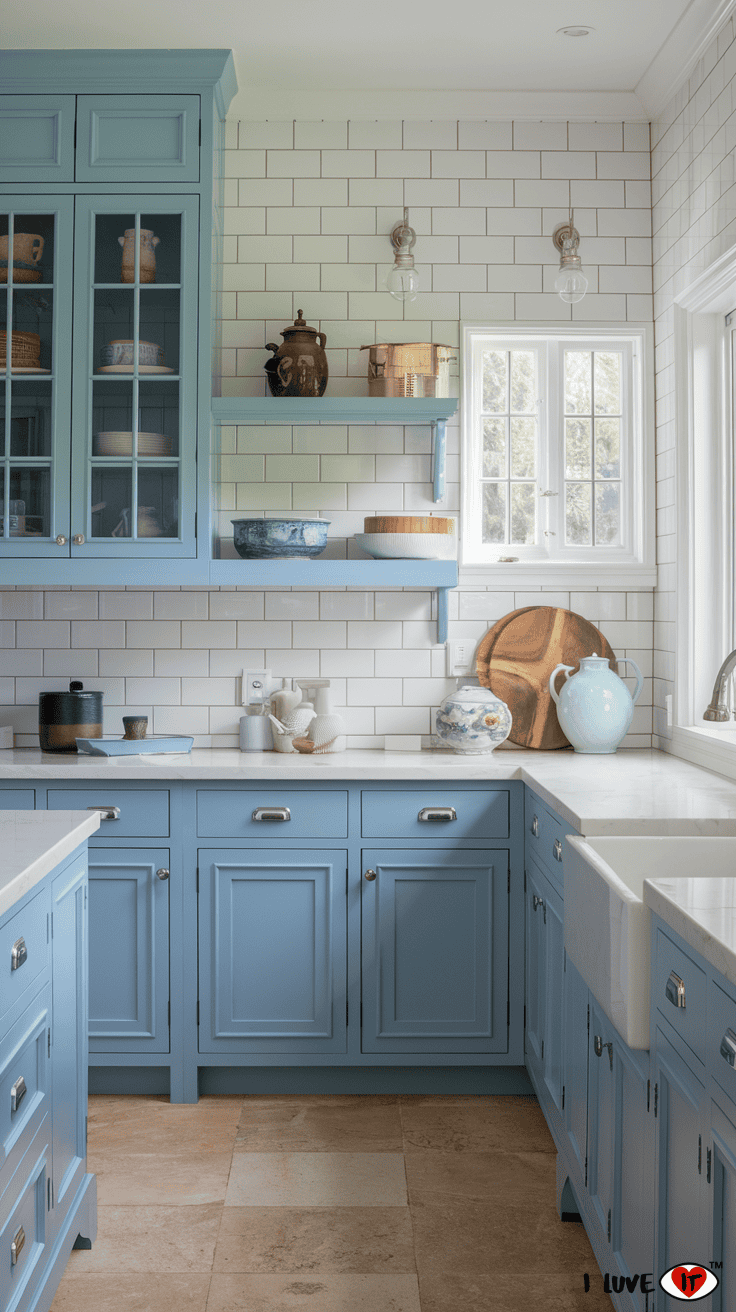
{"points": [[668, 708], [460, 656], [256, 687]]}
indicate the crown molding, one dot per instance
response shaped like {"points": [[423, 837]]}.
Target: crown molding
{"points": [[677, 57], [259, 102]]}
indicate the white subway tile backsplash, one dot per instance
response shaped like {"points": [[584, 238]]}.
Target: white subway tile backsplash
{"points": [[540, 136], [156, 633], [375, 135], [348, 605], [320, 135], [128, 662], [181, 719], [35, 633], [180, 605], [28, 661], [25, 605]]}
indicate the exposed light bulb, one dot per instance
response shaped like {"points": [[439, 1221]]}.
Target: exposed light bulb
{"points": [[402, 282], [571, 284]]}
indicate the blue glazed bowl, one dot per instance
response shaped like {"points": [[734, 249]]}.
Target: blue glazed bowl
{"points": [[269, 539]]}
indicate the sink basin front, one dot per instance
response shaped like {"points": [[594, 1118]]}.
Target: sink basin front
{"points": [[607, 925]]}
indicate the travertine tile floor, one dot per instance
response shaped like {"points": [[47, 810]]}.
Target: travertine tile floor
{"points": [[335, 1204]]}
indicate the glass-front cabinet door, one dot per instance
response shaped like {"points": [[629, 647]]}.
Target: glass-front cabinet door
{"points": [[35, 374], [135, 377]]}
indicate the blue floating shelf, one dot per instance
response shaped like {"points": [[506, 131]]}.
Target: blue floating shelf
{"points": [[345, 410]]}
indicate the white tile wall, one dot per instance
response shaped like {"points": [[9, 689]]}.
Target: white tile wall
{"points": [[693, 223], [309, 206]]}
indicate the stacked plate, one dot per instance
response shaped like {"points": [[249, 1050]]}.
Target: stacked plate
{"points": [[408, 537], [121, 444]]}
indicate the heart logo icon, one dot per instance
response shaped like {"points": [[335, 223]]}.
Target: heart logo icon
{"points": [[688, 1282]]}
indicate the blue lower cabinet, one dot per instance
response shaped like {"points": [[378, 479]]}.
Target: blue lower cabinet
{"points": [[723, 1179], [680, 1164], [129, 950], [272, 951], [536, 970], [26, 1232], [435, 951], [544, 973], [17, 799], [601, 1119], [575, 1065], [69, 946], [632, 1236]]}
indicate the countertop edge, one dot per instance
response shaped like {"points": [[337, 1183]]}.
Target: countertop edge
{"points": [[43, 863]]}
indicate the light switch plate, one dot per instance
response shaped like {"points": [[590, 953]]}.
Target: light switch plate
{"points": [[460, 656], [256, 687]]}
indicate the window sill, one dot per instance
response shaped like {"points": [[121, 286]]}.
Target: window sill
{"points": [[713, 746], [561, 574]]}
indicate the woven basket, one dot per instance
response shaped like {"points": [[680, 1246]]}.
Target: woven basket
{"points": [[25, 350]]}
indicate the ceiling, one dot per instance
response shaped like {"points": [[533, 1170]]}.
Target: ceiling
{"points": [[407, 58]]}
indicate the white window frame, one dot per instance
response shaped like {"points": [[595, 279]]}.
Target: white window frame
{"points": [[705, 614], [633, 563]]}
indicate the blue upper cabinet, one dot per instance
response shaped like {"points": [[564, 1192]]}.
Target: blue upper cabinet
{"points": [[138, 139], [37, 139]]}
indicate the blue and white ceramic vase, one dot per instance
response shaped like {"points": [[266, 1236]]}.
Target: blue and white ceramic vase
{"points": [[594, 707], [473, 720]]}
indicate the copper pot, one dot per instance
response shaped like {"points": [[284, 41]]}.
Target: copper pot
{"points": [[299, 366]]}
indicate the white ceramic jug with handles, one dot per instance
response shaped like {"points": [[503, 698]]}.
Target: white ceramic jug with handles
{"points": [[594, 707]]}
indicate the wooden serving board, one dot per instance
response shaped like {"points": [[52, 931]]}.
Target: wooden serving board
{"points": [[408, 524], [516, 658]]}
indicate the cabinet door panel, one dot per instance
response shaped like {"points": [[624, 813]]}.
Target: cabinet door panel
{"points": [[633, 1223], [129, 950], [37, 139], [575, 1062], [553, 995], [536, 969], [601, 1119], [435, 951], [138, 139], [272, 950], [69, 1034], [681, 1230], [723, 1134]]}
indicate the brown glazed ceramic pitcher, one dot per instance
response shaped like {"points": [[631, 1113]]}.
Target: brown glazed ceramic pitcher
{"points": [[299, 366]]}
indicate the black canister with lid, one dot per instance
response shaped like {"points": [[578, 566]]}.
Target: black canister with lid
{"points": [[65, 716]]}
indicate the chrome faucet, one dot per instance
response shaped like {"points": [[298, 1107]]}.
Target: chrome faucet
{"points": [[718, 710]]}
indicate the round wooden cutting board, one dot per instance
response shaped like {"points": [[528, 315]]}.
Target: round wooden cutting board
{"points": [[516, 658]]}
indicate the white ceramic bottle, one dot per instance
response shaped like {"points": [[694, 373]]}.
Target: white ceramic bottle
{"points": [[594, 707], [327, 730]]}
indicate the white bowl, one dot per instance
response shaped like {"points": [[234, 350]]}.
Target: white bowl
{"points": [[408, 546]]}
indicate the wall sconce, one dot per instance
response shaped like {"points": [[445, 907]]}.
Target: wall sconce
{"points": [[402, 281], [571, 283]]}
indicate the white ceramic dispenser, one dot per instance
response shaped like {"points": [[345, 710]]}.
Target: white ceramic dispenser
{"points": [[326, 731]]}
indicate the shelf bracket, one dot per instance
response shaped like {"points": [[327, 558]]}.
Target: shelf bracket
{"points": [[443, 595], [440, 460]]}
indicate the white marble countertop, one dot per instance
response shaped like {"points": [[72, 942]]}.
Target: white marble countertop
{"points": [[703, 912], [632, 792], [33, 842]]}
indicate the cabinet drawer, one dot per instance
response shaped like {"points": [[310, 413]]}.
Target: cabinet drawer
{"points": [[138, 139], [673, 966], [24, 1083], [23, 1223], [36, 139], [144, 813], [30, 925], [233, 814], [544, 838], [396, 814], [722, 1038], [17, 799]]}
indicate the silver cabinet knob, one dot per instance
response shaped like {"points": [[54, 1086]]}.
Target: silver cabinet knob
{"points": [[106, 812], [537, 902], [78, 539], [370, 875], [674, 990], [162, 873], [535, 826], [61, 540], [557, 850]]}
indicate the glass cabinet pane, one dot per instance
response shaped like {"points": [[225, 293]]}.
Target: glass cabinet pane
{"points": [[28, 368]]}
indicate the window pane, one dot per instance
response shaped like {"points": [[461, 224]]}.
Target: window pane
{"points": [[494, 448], [495, 369], [578, 518], [607, 514], [608, 448], [494, 512], [523, 448], [577, 448], [523, 390], [523, 513], [607, 373], [577, 382]]}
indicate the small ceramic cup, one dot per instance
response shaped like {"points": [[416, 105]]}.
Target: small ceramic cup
{"points": [[135, 726]]}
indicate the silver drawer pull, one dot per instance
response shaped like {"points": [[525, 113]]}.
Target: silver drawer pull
{"points": [[106, 812], [535, 826], [272, 813], [442, 813], [728, 1047], [17, 1093], [675, 990], [16, 1248], [557, 850], [18, 954]]}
